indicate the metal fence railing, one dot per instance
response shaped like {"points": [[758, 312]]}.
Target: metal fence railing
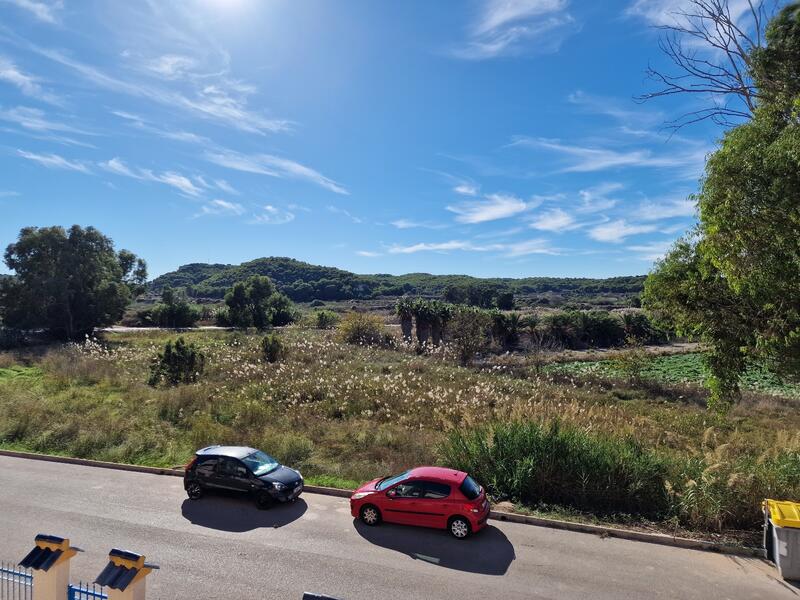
{"points": [[15, 583], [82, 591]]}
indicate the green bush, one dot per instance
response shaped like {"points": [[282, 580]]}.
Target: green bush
{"points": [[362, 328], [317, 303], [272, 348], [178, 363], [559, 464], [325, 319]]}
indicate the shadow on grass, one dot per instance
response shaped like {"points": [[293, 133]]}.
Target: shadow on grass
{"points": [[488, 552], [239, 513]]}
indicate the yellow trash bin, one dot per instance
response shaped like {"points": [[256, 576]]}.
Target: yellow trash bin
{"points": [[782, 536]]}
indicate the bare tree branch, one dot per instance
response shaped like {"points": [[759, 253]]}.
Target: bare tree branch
{"points": [[711, 49]]}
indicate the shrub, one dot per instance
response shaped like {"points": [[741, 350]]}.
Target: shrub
{"points": [[325, 319], [469, 333], [362, 328], [272, 348], [178, 363], [316, 303], [563, 465]]}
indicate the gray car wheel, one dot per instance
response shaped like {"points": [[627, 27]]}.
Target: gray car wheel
{"points": [[370, 515], [194, 490], [459, 528]]}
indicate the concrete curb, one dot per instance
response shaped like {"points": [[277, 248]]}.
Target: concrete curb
{"points": [[625, 534]]}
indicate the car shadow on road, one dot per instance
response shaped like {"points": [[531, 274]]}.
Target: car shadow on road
{"points": [[488, 552], [237, 514]]}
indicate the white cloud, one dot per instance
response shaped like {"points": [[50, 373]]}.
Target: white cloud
{"points": [[170, 178], [495, 206], [554, 220], [35, 119], [212, 102], [595, 199], [341, 211], [221, 208], [589, 159], [535, 246], [225, 187], [616, 231], [54, 161], [171, 66], [44, 11], [410, 224], [27, 84], [8, 194], [656, 211], [466, 189], [513, 26], [271, 166], [652, 251], [368, 253], [515, 249], [271, 215], [440, 247]]}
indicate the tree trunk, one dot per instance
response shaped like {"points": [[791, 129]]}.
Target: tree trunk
{"points": [[423, 331], [436, 333], [406, 325]]}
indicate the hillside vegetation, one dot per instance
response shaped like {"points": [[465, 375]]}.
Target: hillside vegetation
{"points": [[303, 282]]}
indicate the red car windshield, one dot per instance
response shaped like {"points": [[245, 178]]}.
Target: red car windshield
{"points": [[390, 481]]}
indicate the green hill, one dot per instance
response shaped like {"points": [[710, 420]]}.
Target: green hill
{"points": [[303, 282]]}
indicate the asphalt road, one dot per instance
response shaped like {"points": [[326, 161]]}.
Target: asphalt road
{"points": [[222, 547]]}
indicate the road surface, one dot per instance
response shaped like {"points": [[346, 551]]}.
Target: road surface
{"points": [[223, 548]]}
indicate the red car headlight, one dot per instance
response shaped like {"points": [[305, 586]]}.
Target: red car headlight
{"points": [[360, 495]]}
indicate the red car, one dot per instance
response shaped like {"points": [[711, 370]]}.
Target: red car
{"points": [[426, 496]]}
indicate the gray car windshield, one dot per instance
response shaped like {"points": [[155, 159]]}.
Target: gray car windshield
{"points": [[260, 463], [390, 481]]}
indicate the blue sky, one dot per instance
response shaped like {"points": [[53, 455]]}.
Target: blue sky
{"points": [[487, 137]]}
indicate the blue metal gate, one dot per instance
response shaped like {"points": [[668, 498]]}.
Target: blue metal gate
{"points": [[82, 591], [15, 583]]}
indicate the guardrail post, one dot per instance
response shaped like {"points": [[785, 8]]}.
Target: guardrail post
{"points": [[124, 575], [50, 563]]}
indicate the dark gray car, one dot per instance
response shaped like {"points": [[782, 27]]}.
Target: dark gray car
{"points": [[241, 469]]}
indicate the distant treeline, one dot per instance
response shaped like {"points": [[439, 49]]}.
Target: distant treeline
{"points": [[304, 282]]}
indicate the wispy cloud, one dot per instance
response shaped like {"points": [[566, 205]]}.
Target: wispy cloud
{"points": [[272, 166], [272, 215], [441, 247], [617, 231], [494, 206], [213, 102], [226, 187], [508, 27], [592, 158], [35, 119], [54, 161], [651, 251], [170, 134], [223, 208], [27, 84], [466, 189], [8, 194], [176, 180], [516, 249], [554, 220], [411, 224], [596, 198], [341, 211], [669, 209], [44, 11], [369, 253], [171, 66]]}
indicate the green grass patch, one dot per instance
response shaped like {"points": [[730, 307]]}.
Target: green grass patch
{"points": [[681, 368]]}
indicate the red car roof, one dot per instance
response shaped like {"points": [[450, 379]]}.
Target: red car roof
{"points": [[440, 473]]}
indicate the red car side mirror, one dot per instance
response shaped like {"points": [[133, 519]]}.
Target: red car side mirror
{"points": [[391, 493]]}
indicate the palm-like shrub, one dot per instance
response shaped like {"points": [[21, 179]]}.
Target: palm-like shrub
{"points": [[405, 310], [272, 348]]}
